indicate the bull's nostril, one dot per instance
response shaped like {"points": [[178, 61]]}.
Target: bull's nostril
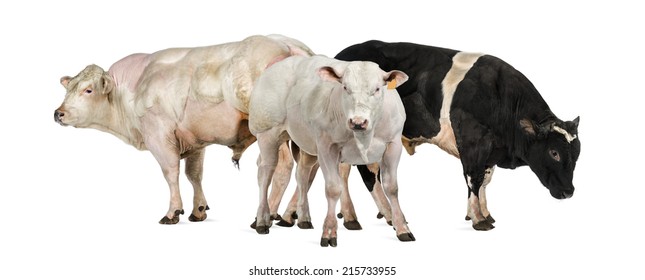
{"points": [[58, 115]]}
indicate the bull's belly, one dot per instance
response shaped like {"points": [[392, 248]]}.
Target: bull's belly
{"points": [[445, 139], [207, 123]]}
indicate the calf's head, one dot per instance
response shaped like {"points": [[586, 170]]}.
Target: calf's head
{"points": [[87, 99], [363, 85], [552, 154]]}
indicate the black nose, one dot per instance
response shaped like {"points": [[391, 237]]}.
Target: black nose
{"points": [[57, 115], [567, 193]]}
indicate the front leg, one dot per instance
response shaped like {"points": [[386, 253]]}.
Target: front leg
{"points": [[389, 166], [168, 158], [483, 203], [329, 161]]}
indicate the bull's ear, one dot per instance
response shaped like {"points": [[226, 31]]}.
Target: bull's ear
{"points": [[108, 83], [534, 129], [65, 80], [573, 125], [397, 76], [528, 127], [329, 73]]}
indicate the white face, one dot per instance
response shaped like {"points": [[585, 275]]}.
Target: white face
{"points": [[362, 98], [85, 100], [363, 88]]}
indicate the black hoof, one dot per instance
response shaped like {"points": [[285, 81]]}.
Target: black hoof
{"points": [[467, 218], [352, 225], [389, 223], [208, 208], [340, 215], [194, 218], [483, 226], [284, 223], [262, 229], [405, 237], [379, 215], [171, 221], [490, 219], [325, 242], [276, 217], [167, 221], [294, 215], [255, 223], [305, 225]]}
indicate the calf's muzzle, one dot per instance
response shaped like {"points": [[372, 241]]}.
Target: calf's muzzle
{"points": [[358, 124]]}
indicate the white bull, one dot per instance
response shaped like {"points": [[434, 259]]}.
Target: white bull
{"points": [[336, 112], [177, 101]]}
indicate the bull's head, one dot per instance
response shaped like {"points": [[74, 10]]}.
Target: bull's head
{"points": [[87, 97], [552, 154], [363, 86]]}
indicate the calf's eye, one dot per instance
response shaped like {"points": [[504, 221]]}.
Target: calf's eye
{"points": [[554, 155], [88, 91]]}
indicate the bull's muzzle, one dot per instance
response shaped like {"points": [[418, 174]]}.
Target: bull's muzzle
{"points": [[358, 124], [58, 115]]}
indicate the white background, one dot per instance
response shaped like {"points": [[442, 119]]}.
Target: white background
{"points": [[81, 204]]}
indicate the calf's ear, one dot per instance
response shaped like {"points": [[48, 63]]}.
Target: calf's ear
{"points": [[331, 74], [395, 78], [65, 80]]}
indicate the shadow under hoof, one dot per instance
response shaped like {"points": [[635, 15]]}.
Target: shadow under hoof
{"points": [[284, 223], [171, 221], [262, 229], [305, 225], [325, 242], [352, 225], [194, 218], [483, 226], [405, 237]]}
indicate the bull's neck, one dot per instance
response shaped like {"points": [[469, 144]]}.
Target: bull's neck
{"points": [[120, 119]]}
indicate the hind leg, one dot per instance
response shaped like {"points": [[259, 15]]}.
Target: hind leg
{"points": [[194, 170]]}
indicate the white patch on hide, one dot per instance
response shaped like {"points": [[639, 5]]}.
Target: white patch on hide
{"points": [[566, 134]]}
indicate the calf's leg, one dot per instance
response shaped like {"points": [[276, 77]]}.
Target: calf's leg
{"points": [[389, 166], [269, 142]]}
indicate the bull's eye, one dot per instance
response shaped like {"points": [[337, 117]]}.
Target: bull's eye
{"points": [[88, 91], [554, 155]]}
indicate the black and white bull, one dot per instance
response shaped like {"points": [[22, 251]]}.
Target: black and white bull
{"points": [[481, 110]]}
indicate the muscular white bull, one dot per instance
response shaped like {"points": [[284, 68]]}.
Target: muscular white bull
{"points": [[177, 101], [336, 112]]}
